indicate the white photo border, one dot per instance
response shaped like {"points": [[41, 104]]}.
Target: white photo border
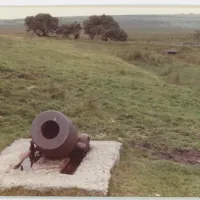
{"points": [[87, 3]]}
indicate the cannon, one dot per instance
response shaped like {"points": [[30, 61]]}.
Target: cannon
{"points": [[54, 136]]}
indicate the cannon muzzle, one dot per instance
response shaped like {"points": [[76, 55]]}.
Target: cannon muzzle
{"points": [[54, 134]]}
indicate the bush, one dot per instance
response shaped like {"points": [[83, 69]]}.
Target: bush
{"points": [[70, 29], [117, 34]]}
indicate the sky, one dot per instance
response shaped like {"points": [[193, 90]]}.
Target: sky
{"points": [[59, 11], [13, 9]]}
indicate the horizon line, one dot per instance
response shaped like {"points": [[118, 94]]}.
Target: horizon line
{"points": [[117, 15]]}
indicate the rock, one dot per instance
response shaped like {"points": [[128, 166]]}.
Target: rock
{"points": [[31, 87]]}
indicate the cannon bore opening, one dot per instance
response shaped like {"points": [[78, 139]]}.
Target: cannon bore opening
{"points": [[50, 129]]}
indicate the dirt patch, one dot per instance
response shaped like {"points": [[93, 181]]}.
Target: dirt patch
{"points": [[27, 76], [9, 73], [6, 70], [6, 73], [141, 145], [186, 156]]}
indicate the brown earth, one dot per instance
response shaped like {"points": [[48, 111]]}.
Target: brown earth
{"points": [[186, 156]]}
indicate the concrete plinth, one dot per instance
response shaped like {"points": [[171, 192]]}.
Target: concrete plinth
{"points": [[93, 173]]}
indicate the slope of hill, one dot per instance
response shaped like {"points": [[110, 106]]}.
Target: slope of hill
{"points": [[111, 98]]}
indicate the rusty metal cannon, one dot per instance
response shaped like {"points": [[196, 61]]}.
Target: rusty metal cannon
{"points": [[54, 136]]}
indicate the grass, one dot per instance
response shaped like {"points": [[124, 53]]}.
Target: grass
{"points": [[112, 91]]}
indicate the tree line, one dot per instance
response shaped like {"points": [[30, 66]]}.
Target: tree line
{"points": [[104, 26]]}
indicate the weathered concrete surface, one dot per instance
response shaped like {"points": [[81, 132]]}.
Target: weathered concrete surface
{"points": [[93, 174]]}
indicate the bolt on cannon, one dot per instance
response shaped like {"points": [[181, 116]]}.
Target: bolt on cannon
{"points": [[54, 137]]}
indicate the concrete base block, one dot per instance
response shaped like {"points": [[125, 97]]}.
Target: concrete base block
{"points": [[93, 173]]}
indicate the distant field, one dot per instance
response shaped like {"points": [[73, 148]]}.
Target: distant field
{"points": [[125, 91], [142, 21], [166, 28]]}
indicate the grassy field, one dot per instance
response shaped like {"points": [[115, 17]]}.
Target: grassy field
{"points": [[128, 92]]}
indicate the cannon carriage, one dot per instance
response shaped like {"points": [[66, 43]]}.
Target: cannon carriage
{"points": [[54, 137]]}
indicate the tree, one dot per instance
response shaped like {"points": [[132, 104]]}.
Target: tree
{"points": [[29, 24], [70, 29], [98, 25], [42, 24]]}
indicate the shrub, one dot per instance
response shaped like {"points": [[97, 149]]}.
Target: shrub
{"points": [[70, 29], [117, 34]]}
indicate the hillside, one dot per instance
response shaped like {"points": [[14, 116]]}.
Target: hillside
{"points": [[110, 93]]}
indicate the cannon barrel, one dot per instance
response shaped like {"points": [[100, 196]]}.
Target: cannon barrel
{"points": [[54, 134]]}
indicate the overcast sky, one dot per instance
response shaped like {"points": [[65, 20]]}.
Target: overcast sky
{"points": [[95, 2], [72, 8], [59, 11]]}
